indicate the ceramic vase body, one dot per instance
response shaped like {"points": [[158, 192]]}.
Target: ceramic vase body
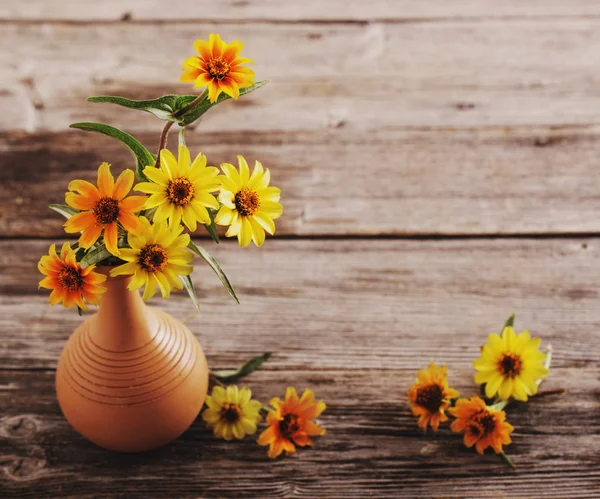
{"points": [[131, 378]]}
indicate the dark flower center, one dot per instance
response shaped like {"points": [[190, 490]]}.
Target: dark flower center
{"points": [[180, 191], [70, 279], [430, 397], [218, 68], [106, 210], [230, 413], [247, 202], [483, 423], [510, 365], [289, 425], [153, 257]]}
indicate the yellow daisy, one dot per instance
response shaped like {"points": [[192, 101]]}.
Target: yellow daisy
{"points": [[430, 396], [510, 365], [218, 67], [180, 190], [156, 257], [231, 413], [249, 204]]}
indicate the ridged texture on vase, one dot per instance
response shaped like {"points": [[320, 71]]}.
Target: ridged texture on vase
{"points": [[135, 384]]}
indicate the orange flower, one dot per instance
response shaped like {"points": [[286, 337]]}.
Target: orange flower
{"points": [[103, 208], [290, 422], [219, 67], [430, 396], [483, 426], [70, 284]]}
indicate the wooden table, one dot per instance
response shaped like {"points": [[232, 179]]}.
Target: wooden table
{"points": [[439, 165]]}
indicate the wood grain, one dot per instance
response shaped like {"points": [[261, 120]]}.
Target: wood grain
{"points": [[518, 181], [359, 304], [289, 10], [372, 447], [363, 78]]}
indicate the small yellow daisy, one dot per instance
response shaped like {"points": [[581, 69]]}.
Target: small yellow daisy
{"points": [[231, 412]]}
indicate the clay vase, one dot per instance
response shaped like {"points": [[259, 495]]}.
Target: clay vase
{"points": [[131, 378]]}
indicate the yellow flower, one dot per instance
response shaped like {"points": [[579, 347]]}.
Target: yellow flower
{"points": [[156, 257], [70, 284], [218, 67], [231, 413], [181, 191], [510, 365], [290, 422], [103, 208], [249, 204], [430, 396], [483, 426]]}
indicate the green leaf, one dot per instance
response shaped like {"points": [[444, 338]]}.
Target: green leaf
{"points": [[162, 108], [142, 156], [95, 256], [247, 368], [204, 105], [208, 258], [212, 228], [79, 310], [64, 210], [189, 286], [509, 322]]}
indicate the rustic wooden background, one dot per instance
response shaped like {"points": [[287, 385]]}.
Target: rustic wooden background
{"points": [[439, 163]]}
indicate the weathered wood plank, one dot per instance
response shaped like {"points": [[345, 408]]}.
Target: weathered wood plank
{"points": [[390, 182], [349, 304], [372, 447], [362, 77], [280, 10]]}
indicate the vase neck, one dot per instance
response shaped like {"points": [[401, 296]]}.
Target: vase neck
{"points": [[123, 321]]}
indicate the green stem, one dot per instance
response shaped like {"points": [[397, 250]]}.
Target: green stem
{"points": [[506, 460], [214, 379]]}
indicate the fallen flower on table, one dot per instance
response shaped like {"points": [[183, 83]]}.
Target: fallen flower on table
{"points": [[231, 412], [290, 422], [483, 426], [430, 396]]}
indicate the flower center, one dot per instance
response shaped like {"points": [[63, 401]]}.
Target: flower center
{"points": [[230, 413], [289, 425], [180, 191], [247, 202], [218, 68], [106, 210], [430, 397], [482, 424], [70, 279], [153, 258], [510, 365]]}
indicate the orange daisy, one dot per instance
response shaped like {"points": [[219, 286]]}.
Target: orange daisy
{"points": [[218, 67], [483, 426], [103, 207], [290, 422], [69, 282], [430, 396]]}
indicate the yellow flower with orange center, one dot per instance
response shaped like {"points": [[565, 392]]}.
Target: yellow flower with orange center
{"points": [[482, 425], [180, 190], [103, 207], [218, 67], [156, 258], [250, 206], [231, 412], [511, 365], [70, 283], [430, 396], [290, 422]]}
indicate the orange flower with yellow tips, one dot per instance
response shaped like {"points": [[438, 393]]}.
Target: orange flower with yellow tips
{"points": [[482, 425], [430, 396], [70, 283], [218, 67], [290, 422], [103, 207]]}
